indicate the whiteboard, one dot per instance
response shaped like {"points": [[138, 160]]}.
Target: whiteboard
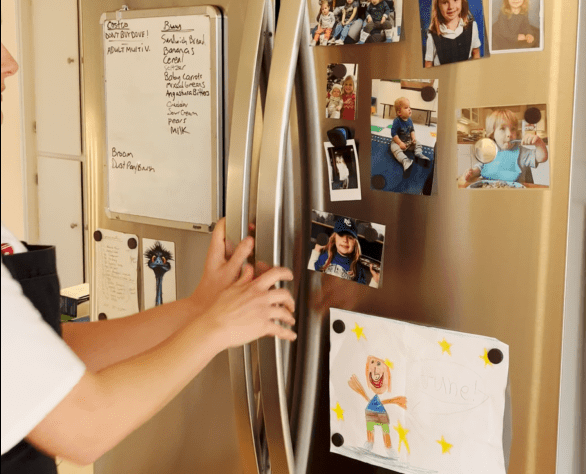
{"points": [[164, 116]]}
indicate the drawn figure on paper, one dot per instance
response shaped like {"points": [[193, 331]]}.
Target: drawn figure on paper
{"points": [[159, 261], [378, 379]]}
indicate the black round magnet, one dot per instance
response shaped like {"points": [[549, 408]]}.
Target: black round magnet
{"points": [[322, 239], [97, 236], [532, 115], [132, 243], [339, 326], [337, 439], [102, 317], [378, 181], [428, 93], [495, 356], [370, 234], [339, 71]]}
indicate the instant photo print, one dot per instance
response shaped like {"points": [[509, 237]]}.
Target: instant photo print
{"points": [[516, 26], [342, 22], [341, 91], [346, 248], [343, 171], [504, 147], [451, 33], [403, 127]]}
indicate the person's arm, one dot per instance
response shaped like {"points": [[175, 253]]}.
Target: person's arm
{"points": [[398, 141], [429, 51], [476, 43], [413, 138], [106, 406], [353, 15], [541, 153], [344, 17], [98, 344]]}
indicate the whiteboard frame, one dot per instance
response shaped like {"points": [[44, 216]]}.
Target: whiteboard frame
{"points": [[218, 111]]}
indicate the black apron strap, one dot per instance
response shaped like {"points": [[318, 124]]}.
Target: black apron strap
{"points": [[35, 270]]}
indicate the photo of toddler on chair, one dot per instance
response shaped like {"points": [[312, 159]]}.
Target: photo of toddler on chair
{"points": [[503, 147]]}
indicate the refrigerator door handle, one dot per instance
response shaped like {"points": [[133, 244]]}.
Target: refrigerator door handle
{"points": [[255, 52], [274, 146]]}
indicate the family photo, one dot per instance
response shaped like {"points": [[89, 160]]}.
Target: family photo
{"points": [[403, 125], [503, 147], [340, 22]]}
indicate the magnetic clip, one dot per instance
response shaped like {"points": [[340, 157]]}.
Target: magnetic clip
{"points": [[119, 12], [339, 135]]}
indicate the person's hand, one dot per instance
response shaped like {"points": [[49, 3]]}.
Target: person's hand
{"points": [[532, 139], [222, 267], [251, 308], [414, 140], [529, 39], [471, 173], [521, 37], [319, 247], [339, 107], [375, 274], [369, 19], [402, 145]]}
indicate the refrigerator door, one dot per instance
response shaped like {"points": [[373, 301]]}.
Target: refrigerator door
{"points": [[483, 264], [201, 430], [248, 106]]}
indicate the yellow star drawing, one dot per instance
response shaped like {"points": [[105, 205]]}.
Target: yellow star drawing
{"points": [[445, 345], [445, 445], [339, 412], [389, 364], [358, 330], [402, 436], [485, 358]]}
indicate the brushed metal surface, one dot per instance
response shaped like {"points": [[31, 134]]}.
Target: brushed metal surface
{"points": [[197, 431], [482, 263], [274, 146], [571, 449], [237, 204]]}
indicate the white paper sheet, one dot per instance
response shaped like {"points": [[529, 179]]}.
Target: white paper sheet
{"points": [[117, 279], [163, 269], [454, 396]]}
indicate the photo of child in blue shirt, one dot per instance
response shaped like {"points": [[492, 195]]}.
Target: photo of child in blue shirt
{"points": [[403, 134], [512, 157]]}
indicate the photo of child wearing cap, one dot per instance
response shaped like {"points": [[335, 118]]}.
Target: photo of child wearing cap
{"points": [[346, 248]]}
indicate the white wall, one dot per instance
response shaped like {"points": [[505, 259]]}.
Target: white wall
{"points": [[12, 169]]}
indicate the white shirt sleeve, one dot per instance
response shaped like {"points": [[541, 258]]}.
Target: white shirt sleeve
{"points": [[38, 368], [475, 38], [429, 49]]}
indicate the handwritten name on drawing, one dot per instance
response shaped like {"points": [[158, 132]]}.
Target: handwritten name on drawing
{"points": [[451, 384], [119, 162]]}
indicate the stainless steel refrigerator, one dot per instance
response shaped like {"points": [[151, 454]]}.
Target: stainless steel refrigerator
{"points": [[264, 407]]}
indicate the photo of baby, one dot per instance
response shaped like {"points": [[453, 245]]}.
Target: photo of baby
{"points": [[341, 90], [343, 172], [340, 22], [503, 147], [403, 128], [451, 31], [517, 25], [347, 248]]}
